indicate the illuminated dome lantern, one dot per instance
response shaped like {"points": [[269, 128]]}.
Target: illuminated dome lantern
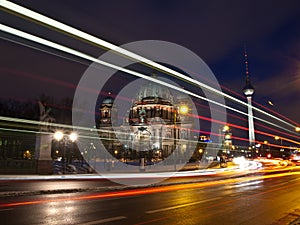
{"points": [[108, 101]]}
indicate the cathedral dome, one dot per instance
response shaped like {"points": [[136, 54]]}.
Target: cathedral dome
{"points": [[155, 91]]}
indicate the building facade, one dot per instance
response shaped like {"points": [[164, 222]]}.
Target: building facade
{"points": [[157, 123]]}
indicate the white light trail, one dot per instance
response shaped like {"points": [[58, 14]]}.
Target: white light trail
{"points": [[43, 50], [54, 125], [83, 35], [90, 58]]}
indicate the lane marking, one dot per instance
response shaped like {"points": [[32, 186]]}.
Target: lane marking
{"points": [[181, 206], [104, 220]]}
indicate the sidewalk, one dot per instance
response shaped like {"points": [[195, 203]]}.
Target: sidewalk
{"points": [[115, 175], [158, 179]]}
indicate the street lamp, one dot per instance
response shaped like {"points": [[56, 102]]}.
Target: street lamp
{"points": [[223, 131], [181, 110], [73, 136], [224, 137], [226, 128], [257, 149], [60, 136], [297, 129], [277, 138], [269, 150], [227, 137]]}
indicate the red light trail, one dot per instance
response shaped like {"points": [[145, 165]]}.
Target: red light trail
{"points": [[144, 191]]}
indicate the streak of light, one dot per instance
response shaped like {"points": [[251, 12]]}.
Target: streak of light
{"points": [[85, 36], [19, 130], [243, 128], [248, 183], [211, 213], [90, 58], [186, 69], [242, 96], [65, 84], [61, 83], [272, 135], [44, 79], [277, 131], [92, 137], [74, 52], [45, 51], [71, 51], [85, 56], [73, 86], [202, 118], [182, 205], [107, 220], [276, 113], [99, 130], [18, 120], [148, 190], [246, 128], [198, 104], [56, 82]]}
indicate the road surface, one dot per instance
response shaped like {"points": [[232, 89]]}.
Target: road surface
{"points": [[264, 199]]}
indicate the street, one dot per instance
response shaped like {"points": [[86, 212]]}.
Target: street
{"points": [[149, 112], [260, 199]]}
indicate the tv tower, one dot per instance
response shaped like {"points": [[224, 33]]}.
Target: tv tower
{"points": [[249, 91]]}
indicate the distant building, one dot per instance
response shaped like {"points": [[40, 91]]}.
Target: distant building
{"points": [[249, 91], [156, 123]]}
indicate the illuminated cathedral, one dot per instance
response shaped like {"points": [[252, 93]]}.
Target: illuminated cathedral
{"points": [[157, 123]]}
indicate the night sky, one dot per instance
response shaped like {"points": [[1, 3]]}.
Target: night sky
{"points": [[215, 30]]}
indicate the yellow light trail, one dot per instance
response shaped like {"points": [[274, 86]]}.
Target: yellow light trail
{"points": [[149, 190]]}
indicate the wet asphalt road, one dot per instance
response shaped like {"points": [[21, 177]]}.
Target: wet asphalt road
{"points": [[251, 200]]}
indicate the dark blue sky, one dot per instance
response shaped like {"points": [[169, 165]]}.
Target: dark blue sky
{"points": [[215, 30]]}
